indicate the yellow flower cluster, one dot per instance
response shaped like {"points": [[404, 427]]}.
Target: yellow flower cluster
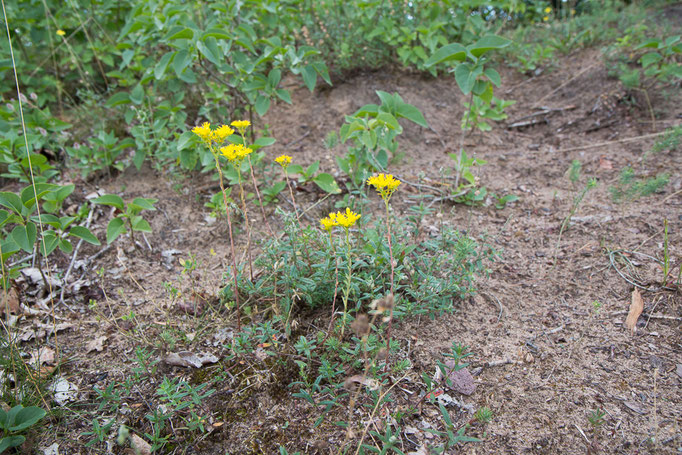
{"points": [[283, 160], [223, 132], [385, 184], [329, 222], [235, 152], [216, 136], [203, 131], [61, 32], [241, 125], [345, 220]]}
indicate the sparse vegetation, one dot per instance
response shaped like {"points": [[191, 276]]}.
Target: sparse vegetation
{"points": [[285, 272]]}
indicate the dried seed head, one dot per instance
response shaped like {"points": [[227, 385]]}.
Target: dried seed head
{"points": [[385, 304], [382, 354], [350, 383], [361, 325]]}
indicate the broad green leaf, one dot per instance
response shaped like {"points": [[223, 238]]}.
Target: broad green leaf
{"points": [[84, 233], [486, 44], [65, 246], [382, 159], [25, 236], [188, 158], [140, 224], [263, 142], [111, 199], [411, 113], [4, 217], [262, 105], [450, 52], [11, 441], [137, 95], [652, 43], [327, 183], [493, 76], [144, 203], [11, 201], [138, 158], [118, 99], [178, 32], [284, 95], [209, 48], [650, 59], [294, 169], [465, 75], [309, 77], [115, 228], [389, 120], [29, 193], [47, 219], [274, 76], [181, 61], [186, 139], [217, 33], [9, 247], [160, 68], [48, 243], [368, 110], [322, 70]]}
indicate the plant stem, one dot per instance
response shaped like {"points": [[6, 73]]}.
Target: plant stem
{"points": [[458, 175], [346, 292], [336, 286], [229, 228], [246, 219], [260, 201], [390, 320]]}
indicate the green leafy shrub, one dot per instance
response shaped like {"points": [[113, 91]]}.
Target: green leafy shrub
{"points": [[15, 421]]}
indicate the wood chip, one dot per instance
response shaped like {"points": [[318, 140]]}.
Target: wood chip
{"points": [[636, 308]]}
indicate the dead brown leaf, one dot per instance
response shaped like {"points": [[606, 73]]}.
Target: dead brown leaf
{"points": [[140, 446], [636, 308], [95, 345], [9, 301], [605, 164], [190, 359], [43, 356]]}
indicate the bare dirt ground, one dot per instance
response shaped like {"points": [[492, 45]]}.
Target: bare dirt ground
{"points": [[549, 341]]}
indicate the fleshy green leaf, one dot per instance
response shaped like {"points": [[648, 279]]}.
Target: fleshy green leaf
{"points": [[84, 233], [115, 228], [262, 105], [448, 53], [327, 183], [111, 199], [486, 44], [118, 98], [140, 224], [25, 236]]}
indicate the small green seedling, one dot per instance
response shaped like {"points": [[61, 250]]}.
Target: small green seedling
{"points": [[16, 420], [128, 217]]}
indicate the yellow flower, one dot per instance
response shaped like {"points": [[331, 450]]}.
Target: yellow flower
{"points": [[283, 160], [241, 125], [61, 32], [546, 18], [222, 133], [348, 219], [235, 152], [385, 184], [329, 222], [548, 10], [203, 131]]}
